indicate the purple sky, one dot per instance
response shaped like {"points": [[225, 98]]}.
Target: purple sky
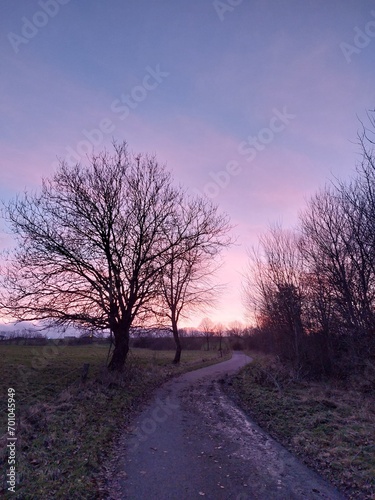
{"points": [[253, 103]]}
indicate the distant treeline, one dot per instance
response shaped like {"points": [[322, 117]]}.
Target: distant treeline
{"points": [[42, 341], [154, 339]]}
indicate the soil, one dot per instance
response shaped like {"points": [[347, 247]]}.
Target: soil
{"points": [[192, 441]]}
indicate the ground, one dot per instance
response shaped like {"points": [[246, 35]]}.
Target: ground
{"points": [[192, 441]]}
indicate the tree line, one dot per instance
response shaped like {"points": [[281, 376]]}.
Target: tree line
{"points": [[312, 289], [109, 246]]}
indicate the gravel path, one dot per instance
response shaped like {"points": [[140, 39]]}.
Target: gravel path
{"points": [[193, 442]]}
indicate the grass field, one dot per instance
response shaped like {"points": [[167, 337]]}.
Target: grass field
{"points": [[66, 428], [332, 428]]}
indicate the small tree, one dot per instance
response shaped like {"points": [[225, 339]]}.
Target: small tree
{"points": [[186, 279], [208, 329], [219, 333]]}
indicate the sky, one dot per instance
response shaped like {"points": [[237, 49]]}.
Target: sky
{"points": [[254, 104]]}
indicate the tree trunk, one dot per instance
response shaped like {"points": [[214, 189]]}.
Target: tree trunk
{"points": [[120, 352], [177, 340]]}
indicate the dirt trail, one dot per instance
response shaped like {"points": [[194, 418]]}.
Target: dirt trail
{"points": [[192, 441]]}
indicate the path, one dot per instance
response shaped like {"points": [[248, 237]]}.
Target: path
{"points": [[193, 442]]}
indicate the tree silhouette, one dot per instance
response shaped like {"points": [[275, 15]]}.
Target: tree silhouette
{"points": [[92, 245]]}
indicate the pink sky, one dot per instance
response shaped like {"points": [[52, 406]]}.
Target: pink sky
{"points": [[222, 82]]}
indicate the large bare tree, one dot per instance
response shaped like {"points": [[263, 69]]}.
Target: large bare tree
{"points": [[92, 245]]}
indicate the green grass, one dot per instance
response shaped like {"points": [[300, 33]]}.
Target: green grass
{"points": [[65, 428], [330, 427]]}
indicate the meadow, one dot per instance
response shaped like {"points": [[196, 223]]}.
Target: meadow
{"points": [[330, 425], [66, 428]]}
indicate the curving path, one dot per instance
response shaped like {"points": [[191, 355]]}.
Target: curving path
{"points": [[193, 442]]}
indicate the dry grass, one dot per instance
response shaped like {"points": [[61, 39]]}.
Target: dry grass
{"points": [[331, 428]]}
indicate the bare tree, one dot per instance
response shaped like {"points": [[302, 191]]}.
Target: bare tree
{"points": [[338, 247], [92, 245], [326, 234], [320, 286], [186, 279], [235, 329], [208, 328], [274, 290], [219, 331]]}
